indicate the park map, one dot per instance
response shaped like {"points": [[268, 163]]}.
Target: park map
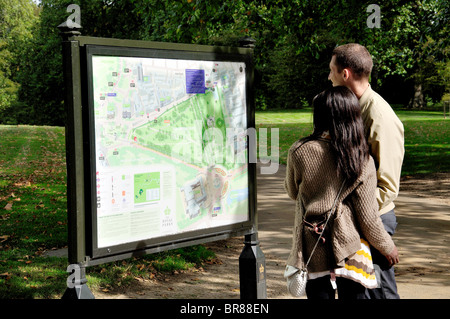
{"points": [[170, 146]]}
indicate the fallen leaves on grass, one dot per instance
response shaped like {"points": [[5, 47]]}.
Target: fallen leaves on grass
{"points": [[23, 183], [40, 205], [214, 261], [140, 266], [5, 275]]}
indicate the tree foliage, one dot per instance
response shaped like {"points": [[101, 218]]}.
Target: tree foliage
{"points": [[294, 40], [16, 19]]}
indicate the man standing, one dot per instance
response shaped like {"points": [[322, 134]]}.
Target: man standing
{"points": [[350, 66]]}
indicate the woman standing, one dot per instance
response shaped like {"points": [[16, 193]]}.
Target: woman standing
{"points": [[317, 166]]}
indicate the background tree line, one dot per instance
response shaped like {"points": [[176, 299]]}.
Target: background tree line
{"points": [[294, 40]]}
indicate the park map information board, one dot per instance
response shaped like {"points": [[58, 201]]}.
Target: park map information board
{"points": [[170, 146]]}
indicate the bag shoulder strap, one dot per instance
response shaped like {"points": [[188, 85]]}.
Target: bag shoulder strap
{"points": [[328, 218]]}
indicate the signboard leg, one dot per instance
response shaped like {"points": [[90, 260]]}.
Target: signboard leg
{"points": [[252, 269], [77, 283]]}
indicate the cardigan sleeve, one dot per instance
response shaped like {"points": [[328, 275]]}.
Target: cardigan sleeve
{"points": [[293, 175], [366, 211]]}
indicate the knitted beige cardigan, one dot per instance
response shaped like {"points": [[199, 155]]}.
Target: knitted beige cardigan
{"points": [[312, 181]]}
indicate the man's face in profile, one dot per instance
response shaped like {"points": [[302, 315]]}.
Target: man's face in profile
{"points": [[335, 76]]}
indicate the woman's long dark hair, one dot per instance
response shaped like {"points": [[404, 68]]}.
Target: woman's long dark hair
{"points": [[337, 111]]}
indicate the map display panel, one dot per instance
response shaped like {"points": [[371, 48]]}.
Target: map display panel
{"points": [[170, 146]]}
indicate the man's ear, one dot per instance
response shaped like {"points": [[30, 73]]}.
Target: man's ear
{"points": [[346, 74]]}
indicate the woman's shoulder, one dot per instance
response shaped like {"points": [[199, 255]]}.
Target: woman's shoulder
{"points": [[308, 151], [368, 169], [370, 165], [306, 145]]}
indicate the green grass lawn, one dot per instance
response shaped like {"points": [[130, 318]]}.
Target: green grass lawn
{"points": [[291, 125], [32, 207], [427, 136], [33, 214], [427, 142]]}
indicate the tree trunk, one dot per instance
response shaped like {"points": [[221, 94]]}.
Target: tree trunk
{"points": [[417, 101]]}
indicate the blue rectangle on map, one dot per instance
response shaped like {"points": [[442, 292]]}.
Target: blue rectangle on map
{"points": [[111, 94], [195, 81]]}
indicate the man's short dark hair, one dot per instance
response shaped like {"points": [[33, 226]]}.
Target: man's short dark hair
{"points": [[354, 57]]}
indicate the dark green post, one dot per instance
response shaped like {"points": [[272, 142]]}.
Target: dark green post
{"points": [[252, 263], [252, 269], [75, 163]]}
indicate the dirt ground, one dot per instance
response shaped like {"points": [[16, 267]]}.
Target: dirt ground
{"points": [[423, 239]]}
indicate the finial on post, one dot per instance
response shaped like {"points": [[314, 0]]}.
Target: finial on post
{"points": [[66, 30], [247, 42]]}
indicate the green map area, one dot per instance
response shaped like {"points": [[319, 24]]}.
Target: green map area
{"points": [[146, 187], [185, 130]]}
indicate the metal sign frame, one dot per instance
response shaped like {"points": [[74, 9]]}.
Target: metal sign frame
{"points": [[77, 51]]}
